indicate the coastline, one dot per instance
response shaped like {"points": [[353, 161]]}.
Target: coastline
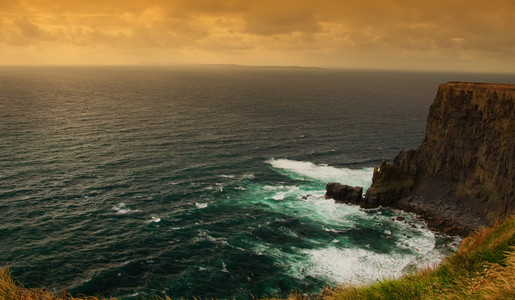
{"points": [[460, 178]]}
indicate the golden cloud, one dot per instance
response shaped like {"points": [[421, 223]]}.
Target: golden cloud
{"points": [[221, 30]]}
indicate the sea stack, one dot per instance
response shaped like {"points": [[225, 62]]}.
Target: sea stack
{"points": [[462, 176]]}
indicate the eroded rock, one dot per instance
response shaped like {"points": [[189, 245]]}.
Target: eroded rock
{"points": [[463, 174], [344, 193]]}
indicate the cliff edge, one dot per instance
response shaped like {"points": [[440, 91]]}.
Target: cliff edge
{"points": [[462, 176]]}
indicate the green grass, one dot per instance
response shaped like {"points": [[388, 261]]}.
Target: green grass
{"points": [[483, 268]]}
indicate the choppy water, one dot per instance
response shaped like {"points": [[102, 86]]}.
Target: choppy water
{"points": [[205, 182]]}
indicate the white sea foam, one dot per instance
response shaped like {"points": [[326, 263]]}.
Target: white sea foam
{"points": [[122, 209], [239, 177], [201, 205], [248, 176], [327, 211], [356, 266], [261, 248], [363, 265], [422, 241], [340, 262], [279, 196], [133, 295], [285, 191], [154, 219], [224, 268], [275, 188], [204, 236], [411, 235], [227, 176], [337, 260], [302, 169], [434, 257], [304, 202]]}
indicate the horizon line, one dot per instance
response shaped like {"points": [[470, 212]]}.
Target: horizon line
{"points": [[224, 65]]}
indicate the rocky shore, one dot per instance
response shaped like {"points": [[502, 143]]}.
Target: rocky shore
{"points": [[462, 176]]}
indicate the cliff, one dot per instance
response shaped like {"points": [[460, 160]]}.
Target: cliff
{"points": [[462, 176]]}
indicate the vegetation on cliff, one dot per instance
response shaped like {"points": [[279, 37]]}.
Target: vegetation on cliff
{"points": [[483, 268]]}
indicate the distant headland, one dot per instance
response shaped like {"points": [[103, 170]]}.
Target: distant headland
{"points": [[462, 176]]}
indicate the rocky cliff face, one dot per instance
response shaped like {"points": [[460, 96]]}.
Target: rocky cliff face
{"points": [[463, 175]]}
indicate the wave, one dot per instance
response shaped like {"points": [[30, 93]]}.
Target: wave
{"points": [[354, 265], [122, 209], [154, 219], [364, 266], [227, 176], [238, 177], [357, 245], [308, 170], [201, 205]]}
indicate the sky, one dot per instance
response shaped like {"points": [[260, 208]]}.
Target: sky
{"points": [[436, 35]]}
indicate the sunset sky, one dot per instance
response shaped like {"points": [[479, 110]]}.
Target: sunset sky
{"points": [[451, 35]]}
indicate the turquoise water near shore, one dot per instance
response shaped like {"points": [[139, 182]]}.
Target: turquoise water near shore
{"points": [[205, 181]]}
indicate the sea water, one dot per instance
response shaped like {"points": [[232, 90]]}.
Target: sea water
{"points": [[206, 181]]}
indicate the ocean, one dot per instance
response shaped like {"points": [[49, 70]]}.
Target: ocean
{"points": [[206, 181]]}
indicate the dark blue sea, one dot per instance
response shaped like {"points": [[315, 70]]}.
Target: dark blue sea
{"points": [[206, 181]]}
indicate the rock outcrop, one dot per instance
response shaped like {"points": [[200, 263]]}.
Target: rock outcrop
{"points": [[344, 193], [462, 177]]}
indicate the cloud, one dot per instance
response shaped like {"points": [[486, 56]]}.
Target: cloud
{"points": [[9, 5], [280, 17], [22, 32], [27, 29], [342, 31]]}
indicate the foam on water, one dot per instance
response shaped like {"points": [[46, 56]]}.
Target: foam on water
{"points": [[238, 177], [345, 263], [122, 209], [227, 176], [349, 265], [203, 235], [411, 244], [304, 201], [434, 257], [248, 176], [278, 187], [285, 191], [224, 268], [155, 219], [201, 205], [422, 241], [328, 211], [308, 170]]}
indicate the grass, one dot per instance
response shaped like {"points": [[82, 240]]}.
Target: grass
{"points": [[483, 268], [10, 290]]}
